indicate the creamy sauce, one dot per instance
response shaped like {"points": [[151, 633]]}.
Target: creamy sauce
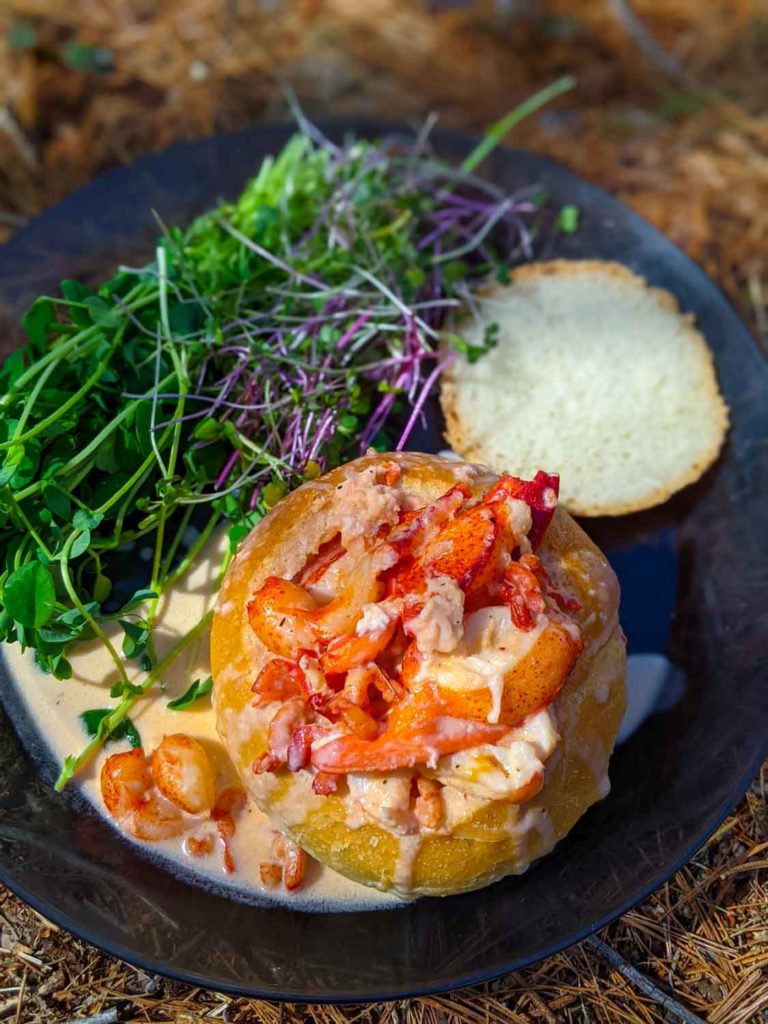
{"points": [[54, 707], [408, 851], [439, 626], [489, 648]]}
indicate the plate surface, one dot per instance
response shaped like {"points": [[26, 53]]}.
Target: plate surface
{"points": [[695, 582]]}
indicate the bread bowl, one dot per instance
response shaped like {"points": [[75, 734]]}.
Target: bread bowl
{"points": [[496, 691]]}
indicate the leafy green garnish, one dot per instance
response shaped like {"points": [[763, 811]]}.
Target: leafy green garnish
{"points": [[96, 722], [29, 595], [198, 689], [496, 133], [568, 219]]}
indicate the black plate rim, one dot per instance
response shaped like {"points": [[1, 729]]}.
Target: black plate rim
{"points": [[408, 991], [377, 126]]}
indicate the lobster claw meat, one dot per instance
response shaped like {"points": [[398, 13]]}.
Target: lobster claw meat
{"points": [[540, 494], [441, 736], [278, 615], [467, 550], [280, 679], [417, 527]]}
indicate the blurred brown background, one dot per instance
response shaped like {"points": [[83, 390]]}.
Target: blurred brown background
{"points": [[669, 113]]}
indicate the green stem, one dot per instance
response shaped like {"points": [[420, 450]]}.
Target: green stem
{"points": [[54, 355], [29, 404], [72, 400], [72, 765], [171, 469], [138, 475], [186, 562], [177, 539], [496, 132], [103, 434], [30, 528], [93, 446], [75, 599], [126, 507]]}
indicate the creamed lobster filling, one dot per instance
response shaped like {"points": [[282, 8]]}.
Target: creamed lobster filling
{"points": [[417, 653]]}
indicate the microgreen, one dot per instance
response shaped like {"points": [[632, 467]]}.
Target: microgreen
{"points": [[96, 722], [198, 689], [29, 595], [568, 218], [273, 338]]}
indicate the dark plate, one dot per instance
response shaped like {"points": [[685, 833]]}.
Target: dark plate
{"points": [[695, 579]]}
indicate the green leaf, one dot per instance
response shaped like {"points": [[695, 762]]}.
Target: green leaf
{"points": [[274, 492], [503, 273], [415, 277], [454, 270], [37, 320], [381, 442], [76, 293], [137, 631], [198, 689], [62, 668], [11, 369], [135, 639], [347, 424], [102, 588], [57, 500], [29, 595], [568, 218], [139, 597], [186, 318], [75, 618], [123, 689], [208, 429], [471, 352], [84, 519], [491, 336], [80, 544], [6, 624], [55, 636], [14, 457], [107, 315], [96, 725], [107, 460], [28, 464]]}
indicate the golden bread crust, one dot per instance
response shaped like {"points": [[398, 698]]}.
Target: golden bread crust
{"points": [[496, 840]]}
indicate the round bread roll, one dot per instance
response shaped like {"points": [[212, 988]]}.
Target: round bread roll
{"points": [[442, 823]]}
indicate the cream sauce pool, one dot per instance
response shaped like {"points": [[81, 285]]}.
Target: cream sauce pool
{"points": [[54, 706]]}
